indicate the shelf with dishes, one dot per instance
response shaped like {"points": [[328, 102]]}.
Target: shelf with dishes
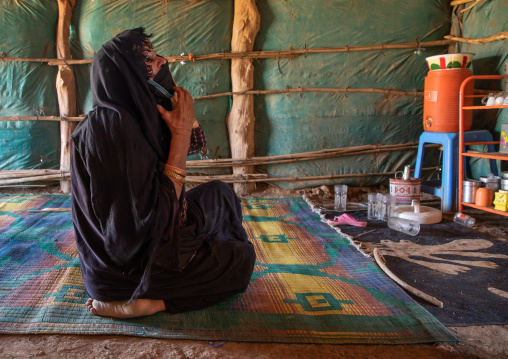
{"points": [[500, 197]]}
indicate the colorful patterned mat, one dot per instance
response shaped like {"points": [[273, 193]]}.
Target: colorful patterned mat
{"points": [[310, 284]]}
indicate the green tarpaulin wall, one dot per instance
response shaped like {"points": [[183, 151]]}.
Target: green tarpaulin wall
{"points": [[27, 30], [285, 123]]}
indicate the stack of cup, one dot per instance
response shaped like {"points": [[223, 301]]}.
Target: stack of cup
{"points": [[495, 99], [380, 206]]}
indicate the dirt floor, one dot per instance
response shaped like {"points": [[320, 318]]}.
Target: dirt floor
{"points": [[475, 342]]}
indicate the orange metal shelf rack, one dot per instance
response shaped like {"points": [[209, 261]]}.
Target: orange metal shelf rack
{"points": [[495, 155]]}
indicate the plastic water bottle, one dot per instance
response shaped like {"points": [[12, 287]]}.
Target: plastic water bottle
{"points": [[404, 225], [464, 220]]}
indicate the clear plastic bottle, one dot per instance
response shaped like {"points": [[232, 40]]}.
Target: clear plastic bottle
{"points": [[404, 225], [464, 220]]}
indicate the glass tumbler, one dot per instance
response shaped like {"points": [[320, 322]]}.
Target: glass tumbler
{"points": [[372, 206], [404, 225], [381, 206], [390, 202], [340, 197]]}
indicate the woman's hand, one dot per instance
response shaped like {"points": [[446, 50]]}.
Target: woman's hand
{"points": [[181, 119], [180, 122]]}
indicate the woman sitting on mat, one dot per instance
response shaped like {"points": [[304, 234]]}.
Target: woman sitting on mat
{"points": [[146, 245]]}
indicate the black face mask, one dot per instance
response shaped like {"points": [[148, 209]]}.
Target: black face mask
{"points": [[162, 87]]}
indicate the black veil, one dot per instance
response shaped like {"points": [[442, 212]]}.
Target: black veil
{"points": [[120, 197]]}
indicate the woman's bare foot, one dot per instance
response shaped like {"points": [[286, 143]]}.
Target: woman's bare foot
{"points": [[136, 308]]}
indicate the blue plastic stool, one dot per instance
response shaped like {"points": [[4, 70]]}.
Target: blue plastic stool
{"points": [[447, 187]]}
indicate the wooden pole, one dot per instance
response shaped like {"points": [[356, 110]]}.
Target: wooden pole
{"points": [[303, 156], [255, 54], [346, 90], [26, 173], [66, 88], [63, 175], [244, 179], [241, 118], [455, 30], [256, 178], [45, 118], [481, 40]]}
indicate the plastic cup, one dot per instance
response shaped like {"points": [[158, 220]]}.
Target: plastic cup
{"points": [[489, 100], [499, 100]]}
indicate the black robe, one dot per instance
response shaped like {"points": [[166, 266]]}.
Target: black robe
{"points": [[125, 211]]}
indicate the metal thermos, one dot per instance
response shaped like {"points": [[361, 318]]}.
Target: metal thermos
{"points": [[469, 188]]}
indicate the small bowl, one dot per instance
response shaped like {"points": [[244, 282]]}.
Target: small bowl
{"points": [[450, 61], [504, 175]]}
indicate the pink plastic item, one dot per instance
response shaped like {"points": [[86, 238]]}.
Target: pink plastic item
{"points": [[347, 219]]}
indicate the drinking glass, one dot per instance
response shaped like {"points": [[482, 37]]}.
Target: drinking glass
{"points": [[390, 201], [381, 206], [340, 197], [404, 225], [372, 206]]}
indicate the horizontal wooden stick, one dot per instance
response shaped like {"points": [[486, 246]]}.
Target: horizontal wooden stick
{"points": [[303, 156], [255, 92], [46, 210], [312, 89], [24, 186], [228, 177], [260, 177], [200, 179], [44, 60], [298, 52], [301, 159], [24, 173], [41, 118], [60, 176], [230, 162], [404, 285], [250, 92], [253, 54], [482, 40]]}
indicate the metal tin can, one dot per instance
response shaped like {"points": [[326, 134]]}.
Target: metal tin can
{"points": [[405, 191], [469, 188], [504, 184]]}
